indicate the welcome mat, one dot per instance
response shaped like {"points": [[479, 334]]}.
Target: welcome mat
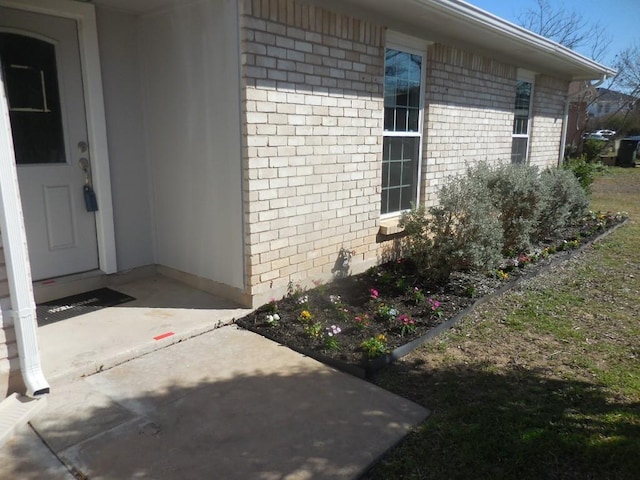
{"points": [[74, 305]]}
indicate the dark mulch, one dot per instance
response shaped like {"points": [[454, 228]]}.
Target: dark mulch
{"points": [[349, 303]]}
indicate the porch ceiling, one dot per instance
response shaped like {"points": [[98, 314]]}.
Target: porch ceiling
{"points": [[453, 22]]}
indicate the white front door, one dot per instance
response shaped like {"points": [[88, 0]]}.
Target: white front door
{"points": [[43, 77]]}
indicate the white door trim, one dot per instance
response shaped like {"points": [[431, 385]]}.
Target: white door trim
{"points": [[84, 14]]}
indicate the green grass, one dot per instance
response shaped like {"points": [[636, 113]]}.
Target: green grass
{"points": [[543, 382]]}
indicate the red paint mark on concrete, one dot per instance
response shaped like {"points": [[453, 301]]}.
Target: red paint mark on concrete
{"points": [[164, 335]]}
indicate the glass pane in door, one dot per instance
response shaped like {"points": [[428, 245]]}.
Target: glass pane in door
{"points": [[31, 81]]}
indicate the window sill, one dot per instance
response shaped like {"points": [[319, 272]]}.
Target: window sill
{"points": [[390, 226]]}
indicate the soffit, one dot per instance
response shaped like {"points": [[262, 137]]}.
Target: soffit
{"points": [[452, 22]]}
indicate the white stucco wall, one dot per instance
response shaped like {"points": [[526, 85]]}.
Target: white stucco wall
{"points": [[192, 104], [120, 62]]}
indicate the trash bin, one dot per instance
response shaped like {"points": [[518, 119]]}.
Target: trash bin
{"points": [[628, 152]]}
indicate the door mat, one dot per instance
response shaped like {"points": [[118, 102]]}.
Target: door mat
{"points": [[74, 305]]}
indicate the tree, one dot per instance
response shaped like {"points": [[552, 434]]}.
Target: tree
{"points": [[628, 66], [567, 27]]}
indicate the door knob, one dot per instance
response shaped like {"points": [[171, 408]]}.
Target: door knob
{"points": [[84, 164]]}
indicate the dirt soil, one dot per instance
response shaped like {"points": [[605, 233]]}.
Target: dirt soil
{"points": [[392, 305]]}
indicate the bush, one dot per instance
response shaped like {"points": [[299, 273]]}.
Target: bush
{"points": [[488, 213], [462, 231], [418, 242], [583, 170], [592, 149], [516, 194], [566, 201]]}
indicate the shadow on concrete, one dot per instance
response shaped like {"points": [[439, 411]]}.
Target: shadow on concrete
{"points": [[519, 424], [162, 417]]}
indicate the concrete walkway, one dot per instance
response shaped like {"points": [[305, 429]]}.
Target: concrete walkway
{"points": [[227, 404]]}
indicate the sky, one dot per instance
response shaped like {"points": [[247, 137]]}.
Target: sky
{"points": [[620, 18]]}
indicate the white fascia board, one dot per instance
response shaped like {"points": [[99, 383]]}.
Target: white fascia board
{"points": [[515, 33]]}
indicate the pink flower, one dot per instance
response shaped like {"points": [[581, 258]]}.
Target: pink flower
{"points": [[374, 293]]}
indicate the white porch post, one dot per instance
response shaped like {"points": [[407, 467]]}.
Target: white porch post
{"points": [[14, 240]]}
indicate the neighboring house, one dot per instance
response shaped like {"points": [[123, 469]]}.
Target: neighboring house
{"points": [[241, 145], [609, 102]]}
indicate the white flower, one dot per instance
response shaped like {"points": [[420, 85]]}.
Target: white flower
{"points": [[276, 317], [269, 318]]}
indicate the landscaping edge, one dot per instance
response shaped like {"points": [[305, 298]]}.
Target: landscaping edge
{"points": [[374, 365]]}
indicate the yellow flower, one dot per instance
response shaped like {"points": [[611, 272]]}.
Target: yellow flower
{"points": [[305, 315]]}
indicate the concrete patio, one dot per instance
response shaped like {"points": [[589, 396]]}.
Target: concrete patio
{"points": [[222, 403]]}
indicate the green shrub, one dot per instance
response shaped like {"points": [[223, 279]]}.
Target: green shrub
{"points": [[517, 196], [488, 213], [584, 170], [592, 149], [566, 201], [460, 233], [417, 241]]}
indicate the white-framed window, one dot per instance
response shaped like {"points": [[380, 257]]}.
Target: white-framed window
{"points": [[522, 118], [404, 74]]}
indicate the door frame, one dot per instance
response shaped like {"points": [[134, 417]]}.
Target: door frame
{"points": [[84, 15]]}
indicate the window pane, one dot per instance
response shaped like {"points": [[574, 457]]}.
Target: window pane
{"points": [[402, 86], [522, 105], [31, 81], [519, 150], [400, 160], [394, 200]]}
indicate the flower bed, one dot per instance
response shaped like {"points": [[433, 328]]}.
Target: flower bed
{"points": [[362, 322]]}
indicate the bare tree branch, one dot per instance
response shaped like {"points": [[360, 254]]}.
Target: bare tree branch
{"points": [[568, 28]]}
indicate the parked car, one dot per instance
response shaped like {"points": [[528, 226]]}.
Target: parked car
{"points": [[596, 136], [605, 133]]}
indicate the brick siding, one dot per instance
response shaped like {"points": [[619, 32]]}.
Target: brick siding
{"points": [[469, 114], [312, 109], [549, 99], [313, 120]]}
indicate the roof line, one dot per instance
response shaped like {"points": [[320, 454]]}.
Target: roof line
{"points": [[494, 23]]}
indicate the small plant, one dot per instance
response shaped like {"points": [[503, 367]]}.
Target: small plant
{"points": [[417, 296], [321, 288], [386, 312], [313, 329], [361, 321], [330, 341], [375, 346], [501, 274], [436, 308], [335, 300], [271, 307], [472, 291], [523, 260], [297, 293], [407, 325], [272, 319]]}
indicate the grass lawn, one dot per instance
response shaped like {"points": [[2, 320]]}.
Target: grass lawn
{"points": [[542, 382]]}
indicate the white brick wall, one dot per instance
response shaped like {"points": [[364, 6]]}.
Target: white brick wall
{"points": [[313, 110], [312, 157], [469, 117], [549, 99]]}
